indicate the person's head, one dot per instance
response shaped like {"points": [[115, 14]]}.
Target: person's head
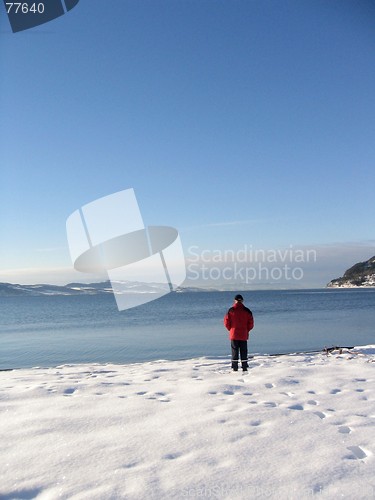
{"points": [[238, 298]]}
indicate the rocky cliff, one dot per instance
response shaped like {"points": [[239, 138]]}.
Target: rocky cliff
{"points": [[361, 274]]}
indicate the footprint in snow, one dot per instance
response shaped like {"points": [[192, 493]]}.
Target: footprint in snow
{"points": [[357, 453], [159, 396], [289, 394], [289, 381], [343, 429], [335, 391], [130, 465], [270, 404], [320, 414], [69, 391], [296, 407], [172, 456]]}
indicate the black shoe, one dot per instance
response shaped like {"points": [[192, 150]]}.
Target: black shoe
{"points": [[244, 369], [235, 369]]}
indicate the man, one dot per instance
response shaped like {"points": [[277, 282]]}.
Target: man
{"points": [[239, 321]]}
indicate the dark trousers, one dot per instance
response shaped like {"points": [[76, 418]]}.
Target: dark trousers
{"points": [[239, 346]]}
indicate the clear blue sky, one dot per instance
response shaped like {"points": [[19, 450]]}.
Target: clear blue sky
{"points": [[238, 122]]}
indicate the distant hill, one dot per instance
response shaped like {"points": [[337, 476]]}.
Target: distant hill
{"points": [[361, 274], [11, 289], [104, 287]]}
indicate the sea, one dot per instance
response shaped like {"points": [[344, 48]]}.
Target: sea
{"points": [[48, 331]]}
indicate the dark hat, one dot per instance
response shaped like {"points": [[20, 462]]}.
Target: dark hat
{"points": [[238, 297]]}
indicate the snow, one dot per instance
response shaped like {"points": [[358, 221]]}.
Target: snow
{"points": [[295, 427]]}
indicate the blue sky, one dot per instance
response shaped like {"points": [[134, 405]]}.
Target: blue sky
{"points": [[238, 122]]}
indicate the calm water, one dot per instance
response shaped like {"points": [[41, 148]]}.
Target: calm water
{"points": [[51, 330]]}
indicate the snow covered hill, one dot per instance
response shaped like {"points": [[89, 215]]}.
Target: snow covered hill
{"points": [[361, 274]]}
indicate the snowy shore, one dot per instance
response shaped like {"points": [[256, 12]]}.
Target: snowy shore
{"points": [[295, 427]]}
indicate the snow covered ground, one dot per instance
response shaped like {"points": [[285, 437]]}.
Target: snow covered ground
{"points": [[296, 427]]}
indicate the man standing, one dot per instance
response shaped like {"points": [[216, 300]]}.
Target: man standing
{"points": [[239, 321]]}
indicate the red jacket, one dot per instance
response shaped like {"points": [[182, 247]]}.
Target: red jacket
{"points": [[239, 321]]}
